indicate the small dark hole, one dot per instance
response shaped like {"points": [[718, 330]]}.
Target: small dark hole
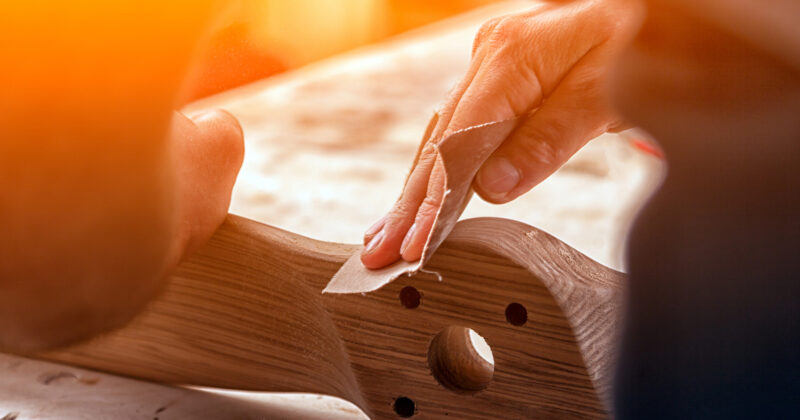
{"points": [[410, 297], [404, 407], [516, 314]]}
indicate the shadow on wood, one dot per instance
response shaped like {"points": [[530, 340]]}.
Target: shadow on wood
{"points": [[246, 312]]}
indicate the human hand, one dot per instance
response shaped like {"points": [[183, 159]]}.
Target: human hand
{"points": [[553, 59]]}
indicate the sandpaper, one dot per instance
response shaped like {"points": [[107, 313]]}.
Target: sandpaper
{"points": [[462, 154]]}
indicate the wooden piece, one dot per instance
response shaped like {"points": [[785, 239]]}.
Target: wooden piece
{"points": [[246, 312]]}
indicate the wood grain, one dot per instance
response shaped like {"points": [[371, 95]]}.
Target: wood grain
{"points": [[246, 312]]}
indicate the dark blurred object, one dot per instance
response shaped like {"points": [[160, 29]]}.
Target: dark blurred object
{"points": [[712, 327]]}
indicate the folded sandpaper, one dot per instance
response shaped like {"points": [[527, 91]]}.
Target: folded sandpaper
{"points": [[462, 154]]}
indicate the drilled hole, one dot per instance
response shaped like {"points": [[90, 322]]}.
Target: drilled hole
{"points": [[461, 360], [410, 297], [404, 407], [516, 314]]}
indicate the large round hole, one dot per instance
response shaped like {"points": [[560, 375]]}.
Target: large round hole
{"points": [[410, 297], [461, 360], [516, 314], [404, 407]]}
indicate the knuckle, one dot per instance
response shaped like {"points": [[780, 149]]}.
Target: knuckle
{"points": [[430, 202], [502, 32], [543, 145], [485, 30], [505, 32], [402, 210], [427, 210]]}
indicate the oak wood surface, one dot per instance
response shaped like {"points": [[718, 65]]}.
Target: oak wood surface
{"points": [[246, 312]]}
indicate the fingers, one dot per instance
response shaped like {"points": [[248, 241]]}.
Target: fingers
{"points": [[486, 99], [488, 92], [384, 239], [491, 95], [517, 61], [209, 150], [576, 112], [405, 230], [484, 32], [374, 230], [414, 240], [447, 111], [383, 247]]}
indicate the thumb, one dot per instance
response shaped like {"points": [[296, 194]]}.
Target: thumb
{"points": [[209, 150]]}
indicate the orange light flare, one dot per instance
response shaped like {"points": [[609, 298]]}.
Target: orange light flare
{"points": [[68, 54]]}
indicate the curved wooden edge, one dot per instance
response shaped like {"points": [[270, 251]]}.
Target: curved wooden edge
{"points": [[589, 293], [246, 312], [542, 368]]}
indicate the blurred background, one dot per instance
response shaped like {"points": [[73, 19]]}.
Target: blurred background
{"points": [[257, 38]]}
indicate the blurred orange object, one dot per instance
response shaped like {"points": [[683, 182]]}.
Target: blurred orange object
{"points": [[265, 37], [232, 59]]}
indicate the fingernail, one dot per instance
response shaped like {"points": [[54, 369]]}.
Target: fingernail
{"points": [[407, 239], [498, 176], [373, 244], [370, 233]]}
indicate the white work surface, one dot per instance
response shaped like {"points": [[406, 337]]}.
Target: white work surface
{"points": [[327, 150]]}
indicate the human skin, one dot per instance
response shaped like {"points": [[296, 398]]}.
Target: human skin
{"points": [[104, 187], [554, 60]]}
